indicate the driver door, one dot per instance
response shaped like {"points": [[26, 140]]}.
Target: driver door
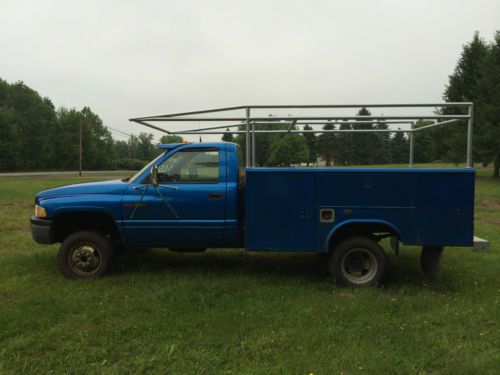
{"points": [[186, 209]]}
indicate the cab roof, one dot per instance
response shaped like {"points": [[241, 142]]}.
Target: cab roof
{"points": [[171, 146], [168, 146]]}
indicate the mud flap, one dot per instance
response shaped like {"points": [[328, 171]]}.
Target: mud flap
{"points": [[430, 261]]}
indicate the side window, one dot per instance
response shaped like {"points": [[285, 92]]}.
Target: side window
{"points": [[190, 165]]}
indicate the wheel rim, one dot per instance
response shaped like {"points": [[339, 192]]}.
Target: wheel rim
{"points": [[359, 266], [85, 259]]}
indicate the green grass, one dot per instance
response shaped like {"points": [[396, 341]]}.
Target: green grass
{"points": [[228, 311]]}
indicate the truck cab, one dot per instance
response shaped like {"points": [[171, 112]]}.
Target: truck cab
{"points": [[193, 203]]}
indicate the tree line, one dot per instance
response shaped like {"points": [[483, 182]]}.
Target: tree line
{"points": [[36, 136]]}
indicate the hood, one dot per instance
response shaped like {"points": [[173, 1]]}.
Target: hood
{"points": [[100, 187]]}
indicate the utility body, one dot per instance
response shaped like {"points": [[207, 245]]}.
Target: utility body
{"points": [[198, 196]]}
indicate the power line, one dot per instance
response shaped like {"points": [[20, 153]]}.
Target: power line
{"points": [[119, 131], [115, 134]]}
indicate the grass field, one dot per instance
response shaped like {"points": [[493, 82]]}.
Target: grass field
{"points": [[235, 312]]}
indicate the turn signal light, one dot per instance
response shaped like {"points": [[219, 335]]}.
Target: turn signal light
{"points": [[40, 211]]}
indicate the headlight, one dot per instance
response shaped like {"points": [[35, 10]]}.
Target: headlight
{"points": [[40, 211]]}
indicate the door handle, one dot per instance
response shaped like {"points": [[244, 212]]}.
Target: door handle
{"points": [[215, 195]]}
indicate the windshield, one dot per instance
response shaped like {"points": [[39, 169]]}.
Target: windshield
{"points": [[148, 166]]}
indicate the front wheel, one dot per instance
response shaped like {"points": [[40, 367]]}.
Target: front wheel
{"points": [[358, 261], [85, 255]]}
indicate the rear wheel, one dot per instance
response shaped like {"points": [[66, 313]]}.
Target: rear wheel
{"points": [[358, 261], [85, 255]]}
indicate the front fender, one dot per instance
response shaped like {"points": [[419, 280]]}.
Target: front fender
{"points": [[109, 204], [60, 210]]}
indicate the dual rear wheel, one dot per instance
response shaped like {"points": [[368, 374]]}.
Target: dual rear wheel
{"points": [[358, 261]]}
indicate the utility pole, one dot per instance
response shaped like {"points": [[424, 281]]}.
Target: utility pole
{"points": [[81, 153], [130, 147]]}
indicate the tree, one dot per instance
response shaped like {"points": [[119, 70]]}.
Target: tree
{"points": [[475, 79], [133, 145], [145, 147], [399, 148], [424, 147], [9, 140], [312, 145], [462, 87], [288, 149], [98, 152], [34, 136], [98, 146], [327, 145], [31, 119], [488, 108], [344, 146], [366, 146], [171, 138], [67, 141], [228, 137], [262, 141], [122, 150], [381, 145]]}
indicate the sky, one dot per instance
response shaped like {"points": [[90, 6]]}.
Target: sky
{"points": [[128, 59]]}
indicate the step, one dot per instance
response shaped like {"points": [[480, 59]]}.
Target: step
{"points": [[480, 244]]}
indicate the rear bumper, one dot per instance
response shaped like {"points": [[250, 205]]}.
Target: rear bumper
{"points": [[40, 230]]}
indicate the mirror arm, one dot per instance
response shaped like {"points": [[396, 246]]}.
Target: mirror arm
{"points": [[154, 184], [139, 202]]}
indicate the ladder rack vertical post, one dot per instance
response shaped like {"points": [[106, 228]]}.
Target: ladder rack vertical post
{"points": [[469, 136], [253, 144], [411, 146], [247, 138], [80, 162]]}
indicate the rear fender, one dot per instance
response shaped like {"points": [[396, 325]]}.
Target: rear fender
{"points": [[358, 227]]}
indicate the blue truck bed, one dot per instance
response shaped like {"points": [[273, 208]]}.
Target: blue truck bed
{"points": [[432, 207]]}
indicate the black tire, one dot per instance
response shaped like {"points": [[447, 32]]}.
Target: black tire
{"points": [[85, 255], [358, 261]]}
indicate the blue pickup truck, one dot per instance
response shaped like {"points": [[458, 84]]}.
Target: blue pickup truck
{"points": [[197, 196]]}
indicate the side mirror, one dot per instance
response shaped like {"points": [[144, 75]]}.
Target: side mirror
{"points": [[154, 176]]}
